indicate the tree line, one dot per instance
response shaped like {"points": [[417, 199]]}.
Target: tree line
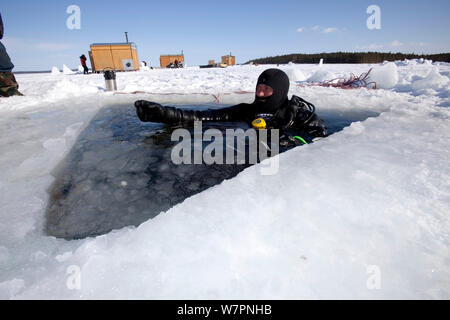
{"points": [[348, 57]]}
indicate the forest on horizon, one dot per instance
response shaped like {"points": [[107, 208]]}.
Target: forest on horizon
{"points": [[348, 57]]}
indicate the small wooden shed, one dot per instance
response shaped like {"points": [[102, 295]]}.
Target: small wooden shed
{"points": [[114, 56], [229, 60], [166, 59]]}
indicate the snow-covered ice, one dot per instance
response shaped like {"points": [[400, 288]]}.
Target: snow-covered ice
{"points": [[366, 205], [66, 70], [385, 76], [55, 71]]}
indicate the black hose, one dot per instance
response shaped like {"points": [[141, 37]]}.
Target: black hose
{"points": [[311, 108]]}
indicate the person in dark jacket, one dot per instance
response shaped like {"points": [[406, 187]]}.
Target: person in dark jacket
{"points": [[83, 63], [8, 84], [271, 103]]}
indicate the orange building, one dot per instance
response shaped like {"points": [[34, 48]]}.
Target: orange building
{"points": [[229, 60], [166, 59], [114, 56]]}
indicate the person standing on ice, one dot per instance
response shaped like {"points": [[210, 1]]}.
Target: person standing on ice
{"points": [[83, 64], [8, 84], [271, 103]]}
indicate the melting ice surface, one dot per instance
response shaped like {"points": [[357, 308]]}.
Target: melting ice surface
{"points": [[120, 173]]}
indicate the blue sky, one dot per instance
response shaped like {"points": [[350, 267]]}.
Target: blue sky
{"points": [[37, 38]]}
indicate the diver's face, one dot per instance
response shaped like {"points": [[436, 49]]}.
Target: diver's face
{"points": [[263, 91]]}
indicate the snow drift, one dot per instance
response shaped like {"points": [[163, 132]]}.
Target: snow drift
{"points": [[360, 214]]}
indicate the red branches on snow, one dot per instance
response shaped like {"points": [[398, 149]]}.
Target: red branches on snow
{"points": [[353, 82]]}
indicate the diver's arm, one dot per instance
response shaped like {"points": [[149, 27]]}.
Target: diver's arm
{"points": [[154, 112]]}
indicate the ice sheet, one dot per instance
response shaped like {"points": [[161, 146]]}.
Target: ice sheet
{"points": [[371, 200]]}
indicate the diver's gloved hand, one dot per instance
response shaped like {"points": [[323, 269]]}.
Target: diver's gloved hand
{"points": [[149, 111]]}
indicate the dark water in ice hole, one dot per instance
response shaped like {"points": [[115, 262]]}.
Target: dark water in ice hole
{"points": [[119, 173]]}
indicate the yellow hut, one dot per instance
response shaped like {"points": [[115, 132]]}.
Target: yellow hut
{"points": [[166, 59], [229, 60], [114, 56]]}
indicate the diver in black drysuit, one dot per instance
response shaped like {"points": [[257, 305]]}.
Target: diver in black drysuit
{"points": [[278, 111]]}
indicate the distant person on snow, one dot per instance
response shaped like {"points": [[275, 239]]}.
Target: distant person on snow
{"points": [[83, 63], [271, 103], [8, 84]]}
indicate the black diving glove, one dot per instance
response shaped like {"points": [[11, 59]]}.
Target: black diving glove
{"points": [[149, 111]]}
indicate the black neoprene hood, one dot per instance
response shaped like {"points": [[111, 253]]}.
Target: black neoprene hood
{"points": [[279, 82]]}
